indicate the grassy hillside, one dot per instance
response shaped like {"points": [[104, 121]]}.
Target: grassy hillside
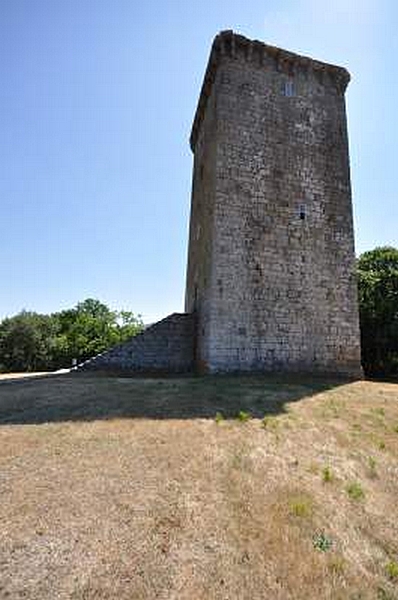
{"points": [[143, 489]]}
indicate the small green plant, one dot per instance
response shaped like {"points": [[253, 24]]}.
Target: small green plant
{"points": [[382, 445], [300, 507], [335, 407], [392, 570], [336, 565], [355, 491], [372, 463], [327, 475], [383, 595], [243, 416], [240, 459], [269, 422], [313, 468], [372, 467], [322, 542], [378, 411], [219, 418], [396, 428]]}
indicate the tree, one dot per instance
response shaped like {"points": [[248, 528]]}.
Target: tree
{"points": [[27, 342], [31, 342], [128, 324], [90, 328], [378, 309]]}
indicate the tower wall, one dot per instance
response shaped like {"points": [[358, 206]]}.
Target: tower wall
{"points": [[271, 251], [202, 239]]}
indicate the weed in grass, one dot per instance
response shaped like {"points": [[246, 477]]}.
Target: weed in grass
{"points": [[372, 472], [378, 411], [382, 445], [243, 416], [300, 507], [335, 408], [313, 468], [396, 428], [219, 418], [356, 430], [355, 491], [337, 565], [239, 460], [327, 475], [392, 570], [383, 595], [322, 542], [270, 423]]}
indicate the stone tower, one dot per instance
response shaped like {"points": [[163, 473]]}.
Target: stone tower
{"points": [[271, 246]]}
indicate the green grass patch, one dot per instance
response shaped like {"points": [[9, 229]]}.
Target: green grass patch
{"points": [[355, 491], [327, 475], [243, 416], [301, 507], [219, 418], [270, 422], [392, 570], [372, 467], [322, 542]]}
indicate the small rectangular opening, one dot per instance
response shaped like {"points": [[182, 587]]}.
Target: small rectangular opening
{"points": [[288, 89]]}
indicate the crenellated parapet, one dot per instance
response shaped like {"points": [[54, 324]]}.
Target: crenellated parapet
{"points": [[228, 44]]}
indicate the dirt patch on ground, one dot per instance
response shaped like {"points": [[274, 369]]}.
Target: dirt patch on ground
{"points": [[7, 376], [198, 488]]}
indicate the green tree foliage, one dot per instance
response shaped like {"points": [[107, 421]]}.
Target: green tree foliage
{"points": [[31, 342], [27, 342], [91, 327], [378, 308]]}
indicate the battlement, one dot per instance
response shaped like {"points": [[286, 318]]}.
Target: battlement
{"points": [[235, 46]]}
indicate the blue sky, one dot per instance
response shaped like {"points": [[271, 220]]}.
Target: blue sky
{"points": [[96, 105]]}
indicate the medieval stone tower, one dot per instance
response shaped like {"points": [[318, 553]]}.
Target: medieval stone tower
{"points": [[270, 281], [271, 246]]}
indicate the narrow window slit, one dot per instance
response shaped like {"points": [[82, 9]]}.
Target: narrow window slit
{"points": [[288, 89]]}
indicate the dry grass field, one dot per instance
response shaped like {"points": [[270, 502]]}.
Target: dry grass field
{"points": [[198, 488]]}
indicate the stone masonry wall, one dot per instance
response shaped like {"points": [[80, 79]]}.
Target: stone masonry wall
{"points": [[202, 234], [271, 257], [165, 347]]}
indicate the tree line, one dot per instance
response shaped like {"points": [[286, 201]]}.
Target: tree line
{"points": [[33, 342], [377, 273]]}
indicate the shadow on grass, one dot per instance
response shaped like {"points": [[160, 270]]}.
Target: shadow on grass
{"points": [[77, 397]]}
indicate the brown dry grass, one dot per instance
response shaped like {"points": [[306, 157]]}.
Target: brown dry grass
{"points": [[122, 488]]}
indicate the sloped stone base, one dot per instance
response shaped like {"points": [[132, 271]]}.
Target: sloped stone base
{"points": [[165, 347]]}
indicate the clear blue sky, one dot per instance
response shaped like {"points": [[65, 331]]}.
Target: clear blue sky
{"points": [[97, 99]]}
